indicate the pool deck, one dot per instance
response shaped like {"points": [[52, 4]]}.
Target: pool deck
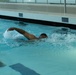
{"points": [[46, 12], [49, 9]]}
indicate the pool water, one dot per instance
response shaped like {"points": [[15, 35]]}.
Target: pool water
{"points": [[55, 55]]}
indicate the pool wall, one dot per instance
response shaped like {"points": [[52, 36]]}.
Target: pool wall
{"points": [[44, 14]]}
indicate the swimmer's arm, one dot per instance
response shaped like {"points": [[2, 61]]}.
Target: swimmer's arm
{"points": [[23, 32]]}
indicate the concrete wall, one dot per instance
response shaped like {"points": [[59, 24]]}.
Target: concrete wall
{"points": [[51, 8], [44, 12], [39, 16]]}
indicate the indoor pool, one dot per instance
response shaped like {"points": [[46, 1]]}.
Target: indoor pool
{"points": [[55, 55]]}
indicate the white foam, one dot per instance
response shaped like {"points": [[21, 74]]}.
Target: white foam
{"points": [[62, 38], [70, 38], [11, 34]]}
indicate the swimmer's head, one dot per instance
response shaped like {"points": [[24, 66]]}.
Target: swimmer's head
{"points": [[43, 35]]}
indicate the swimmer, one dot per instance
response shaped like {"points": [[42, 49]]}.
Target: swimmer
{"points": [[28, 35]]}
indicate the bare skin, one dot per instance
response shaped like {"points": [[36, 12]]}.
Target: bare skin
{"points": [[26, 34]]}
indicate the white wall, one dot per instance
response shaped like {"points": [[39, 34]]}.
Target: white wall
{"points": [[45, 17]]}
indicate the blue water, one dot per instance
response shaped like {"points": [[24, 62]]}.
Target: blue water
{"points": [[55, 55], [14, 39]]}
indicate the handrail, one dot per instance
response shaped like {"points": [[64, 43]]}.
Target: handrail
{"points": [[65, 6], [61, 2], [38, 1]]}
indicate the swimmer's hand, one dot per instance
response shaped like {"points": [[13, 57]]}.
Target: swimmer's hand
{"points": [[10, 29]]}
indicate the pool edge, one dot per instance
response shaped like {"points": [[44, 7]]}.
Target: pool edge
{"points": [[49, 23]]}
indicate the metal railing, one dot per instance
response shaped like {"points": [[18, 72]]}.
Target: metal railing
{"points": [[41, 1], [61, 2]]}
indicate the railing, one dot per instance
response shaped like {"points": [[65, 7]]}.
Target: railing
{"points": [[61, 6], [42, 1]]}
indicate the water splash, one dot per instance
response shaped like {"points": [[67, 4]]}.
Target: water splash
{"points": [[62, 39], [11, 34], [13, 38]]}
